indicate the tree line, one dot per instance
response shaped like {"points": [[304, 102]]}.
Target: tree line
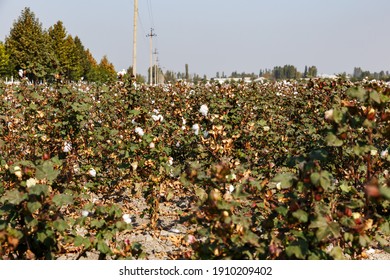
{"points": [[49, 55]]}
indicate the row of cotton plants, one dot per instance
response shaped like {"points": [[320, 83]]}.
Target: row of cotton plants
{"points": [[267, 166]]}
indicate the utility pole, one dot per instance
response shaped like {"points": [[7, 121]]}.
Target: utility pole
{"points": [[155, 66], [135, 39], [151, 35]]}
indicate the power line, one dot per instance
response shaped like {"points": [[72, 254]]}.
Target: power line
{"points": [[149, 2]]}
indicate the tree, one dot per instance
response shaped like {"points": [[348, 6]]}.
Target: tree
{"points": [[4, 61], [312, 72], [92, 73], [82, 64], [106, 70], [357, 73], [27, 46], [170, 76], [59, 47]]}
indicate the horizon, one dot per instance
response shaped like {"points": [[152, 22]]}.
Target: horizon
{"points": [[221, 36]]}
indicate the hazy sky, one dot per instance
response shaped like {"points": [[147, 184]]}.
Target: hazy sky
{"points": [[224, 35]]}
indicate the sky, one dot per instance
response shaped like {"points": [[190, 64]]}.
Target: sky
{"points": [[224, 35]]}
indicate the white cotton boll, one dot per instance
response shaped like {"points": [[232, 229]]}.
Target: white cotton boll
{"points": [[205, 134], [18, 172], [21, 73], [134, 122], [266, 128], [204, 110], [170, 160], [139, 131], [231, 188], [373, 152], [92, 172], [184, 121], [329, 115], [127, 218], [67, 147], [195, 128], [120, 74], [156, 111], [384, 153], [31, 182], [178, 144], [152, 145], [157, 118], [84, 213]]}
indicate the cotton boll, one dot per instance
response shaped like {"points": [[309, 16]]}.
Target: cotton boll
{"points": [[139, 131], [127, 218], [204, 110], [84, 213], [31, 182], [67, 147], [329, 115], [195, 128], [92, 172]]}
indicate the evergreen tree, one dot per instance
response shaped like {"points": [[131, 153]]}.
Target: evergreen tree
{"points": [[83, 64], [27, 46], [92, 73], [4, 61]]}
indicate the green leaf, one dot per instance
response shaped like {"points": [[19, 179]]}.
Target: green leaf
{"points": [[321, 224], [345, 188], [284, 180], [13, 197], [102, 247], [334, 228], [62, 200], [298, 249], [282, 210], [96, 223], [374, 96], [333, 141], [325, 179], [359, 93], [337, 253], [78, 241], [385, 192], [385, 228], [348, 236], [60, 225], [39, 190], [364, 240], [382, 241], [46, 171], [301, 215], [201, 194], [315, 178], [33, 206]]}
